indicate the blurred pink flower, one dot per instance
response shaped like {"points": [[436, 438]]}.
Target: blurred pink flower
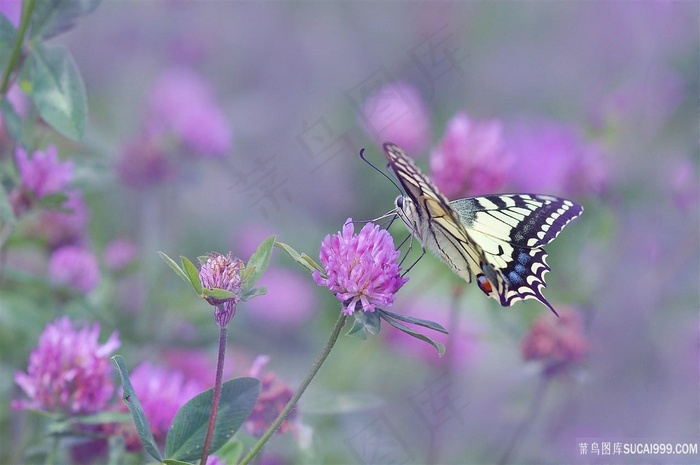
{"points": [[222, 272], [12, 10], [557, 342], [274, 395], [161, 392], [648, 102], [69, 372], [684, 184], [552, 158], [182, 103], [289, 299], [396, 113], [471, 158], [120, 253], [64, 228], [144, 164], [43, 174], [362, 270], [75, 267]]}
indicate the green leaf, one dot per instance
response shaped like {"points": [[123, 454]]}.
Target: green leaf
{"points": [[7, 41], [258, 262], [58, 90], [365, 323], [296, 256], [176, 268], [132, 402], [312, 263], [218, 294], [10, 119], [51, 17], [230, 452], [192, 274], [439, 347], [53, 202], [416, 321], [256, 291], [188, 430], [7, 215], [175, 462]]}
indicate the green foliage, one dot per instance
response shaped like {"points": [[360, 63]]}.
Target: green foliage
{"points": [[132, 402], [394, 320], [301, 258], [188, 431], [258, 263], [7, 39], [365, 323], [52, 17], [58, 90]]}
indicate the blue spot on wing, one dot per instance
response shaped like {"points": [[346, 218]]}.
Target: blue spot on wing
{"points": [[514, 277]]}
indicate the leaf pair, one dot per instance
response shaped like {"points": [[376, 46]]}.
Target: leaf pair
{"points": [[250, 274], [49, 74], [188, 430]]}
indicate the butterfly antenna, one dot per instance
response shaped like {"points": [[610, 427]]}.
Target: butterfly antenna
{"points": [[362, 155]]}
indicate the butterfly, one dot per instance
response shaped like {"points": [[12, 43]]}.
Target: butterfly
{"points": [[498, 239]]}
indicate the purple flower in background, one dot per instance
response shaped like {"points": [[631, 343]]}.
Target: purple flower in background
{"points": [[361, 269], [61, 228], [396, 113], [43, 173], [69, 371], [552, 158], [144, 164], [182, 104], [684, 184], [120, 253], [12, 10], [222, 272], [161, 392], [274, 395], [471, 158], [75, 267], [557, 342], [289, 299]]}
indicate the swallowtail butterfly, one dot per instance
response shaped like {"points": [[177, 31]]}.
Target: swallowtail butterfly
{"points": [[499, 239]]}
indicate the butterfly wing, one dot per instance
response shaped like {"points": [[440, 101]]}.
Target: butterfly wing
{"points": [[512, 229], [430, 218], [497, 238]]}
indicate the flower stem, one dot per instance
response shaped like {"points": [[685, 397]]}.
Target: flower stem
{"points": [[217, 395], [527, 420], [297, 395], [27, 8]]}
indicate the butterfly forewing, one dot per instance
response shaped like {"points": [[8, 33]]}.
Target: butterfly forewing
{"points": [[498, 238]]}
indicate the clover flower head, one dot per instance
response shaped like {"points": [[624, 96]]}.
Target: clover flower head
{"points": [[274, 396], [69, 371], [471, 158], [360, 269], [222, 272], [43, 173], [75, 267], [557, 342]]}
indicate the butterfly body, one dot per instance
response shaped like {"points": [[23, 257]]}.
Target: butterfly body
{"points": [[498, 239]]}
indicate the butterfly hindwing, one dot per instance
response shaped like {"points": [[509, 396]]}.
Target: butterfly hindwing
{"points": [[497, 238]]}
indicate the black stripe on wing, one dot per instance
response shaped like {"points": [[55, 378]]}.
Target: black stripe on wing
{"points": [[523, 278], [526, 220]]}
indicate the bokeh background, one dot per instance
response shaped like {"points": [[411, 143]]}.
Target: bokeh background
{"points": [[595, 101]]}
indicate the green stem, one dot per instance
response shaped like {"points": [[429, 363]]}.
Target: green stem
{"points": [[27, 8], [527, 420], [297, 395], [217, 395]]}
